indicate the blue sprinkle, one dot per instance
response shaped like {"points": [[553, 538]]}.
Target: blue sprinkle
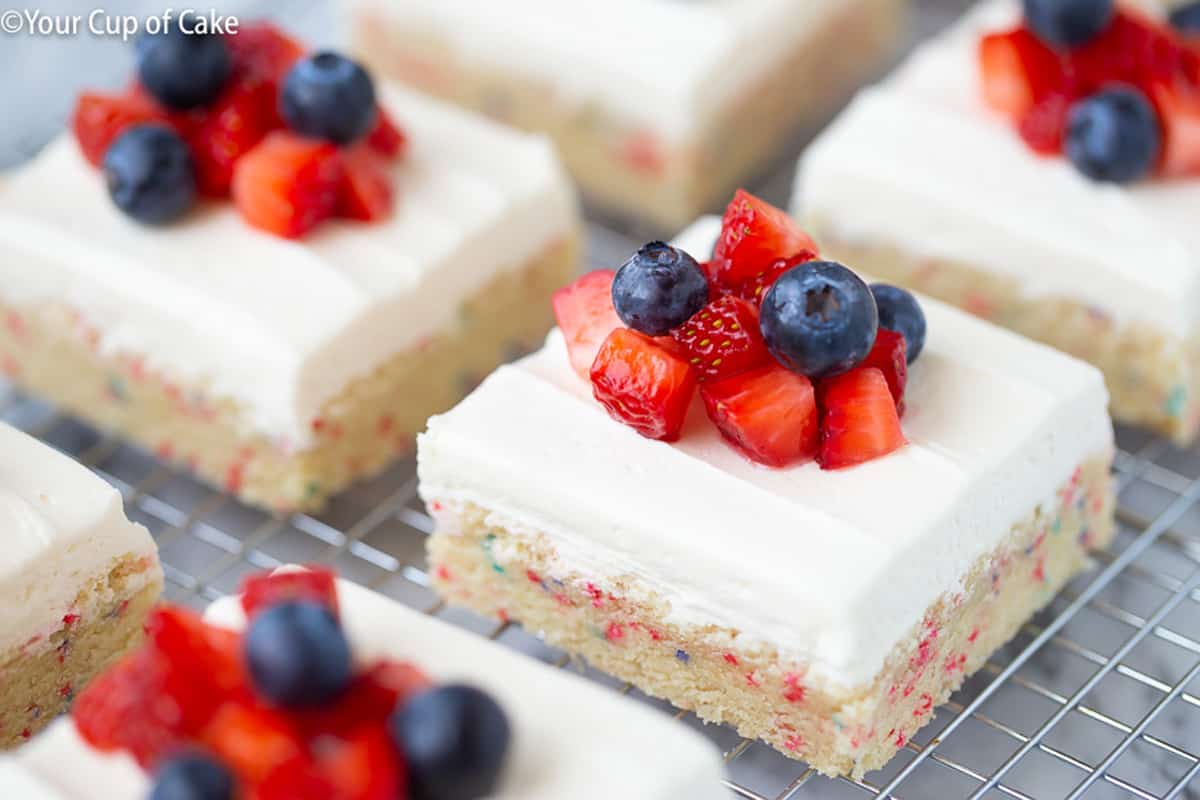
{"points": [[1176, 401], [683, 656]]}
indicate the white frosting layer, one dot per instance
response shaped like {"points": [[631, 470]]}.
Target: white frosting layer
{"points": [[832, 568], [279, 326], [63, 527], [570, 738], [921, 163], [668, 65]]}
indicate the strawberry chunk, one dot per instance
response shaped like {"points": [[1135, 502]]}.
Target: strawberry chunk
{"points": [[722, 339], [1044, 125], [250, 740], [366, 192], [223, 132], [263, 52], [122, 710], [643, 384], [201, 664], [585, 314], [1179, 112], [365, 767], [369, 700], [386, 139], [262, 590], [755, 289], [288, 184], [157, 698], [1017, 70], [769, 414], [298, 779], [890, 356], [98, 119], [860, 421], [754, 234]]}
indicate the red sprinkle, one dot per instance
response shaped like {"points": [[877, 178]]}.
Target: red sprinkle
{"points": [[730, 658], [70, 619], [532, 576], [925, 707], [794, 743], [753, 681], [974, 635], [615, 632], [443, 574]]}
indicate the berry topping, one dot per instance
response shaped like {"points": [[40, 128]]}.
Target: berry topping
{"points": [[454, 739], [192, 777], [185, 708], [385, 138], [723, 339], [288, 184], [328, 96], [755, 289], [643, 384], [585, 314], [99, 119], [1114, 136], [227, 129], [899, 311], [889, 357], [769, 414], [264, 590], [1017, 70], [753, 236], [150, 174], [860, 421], [1068, 23], [658, 289], [297, 654], [263, 53], [819, 319], [183, 70], [1186, 18], [366, 192]]}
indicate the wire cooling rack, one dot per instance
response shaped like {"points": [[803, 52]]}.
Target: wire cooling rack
{"points": [[1097, 697]]}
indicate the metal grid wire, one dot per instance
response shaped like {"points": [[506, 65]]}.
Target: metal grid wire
{"points": [[1097, 697]]}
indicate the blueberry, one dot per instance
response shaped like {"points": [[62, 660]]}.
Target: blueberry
{"points": [[454, 739], [659, 288], [819, 319], [1068, 23], [298, 655], [192, 777], [1114, 135], [328, 96], [183, 70], [899, 311], [1186, 18], [150, 174]]}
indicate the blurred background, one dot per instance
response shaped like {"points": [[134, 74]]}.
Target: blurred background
{"points": [[42, 75]]}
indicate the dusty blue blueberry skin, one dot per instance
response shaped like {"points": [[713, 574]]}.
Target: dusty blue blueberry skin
{"points": [[183, 70], [658, 289], [1186, 18], [328, 96], [150, 174], [454, 739], [192, 777], [297, 655], [1068, 23], [819, 319], [1114, 136], [899, 311]]}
